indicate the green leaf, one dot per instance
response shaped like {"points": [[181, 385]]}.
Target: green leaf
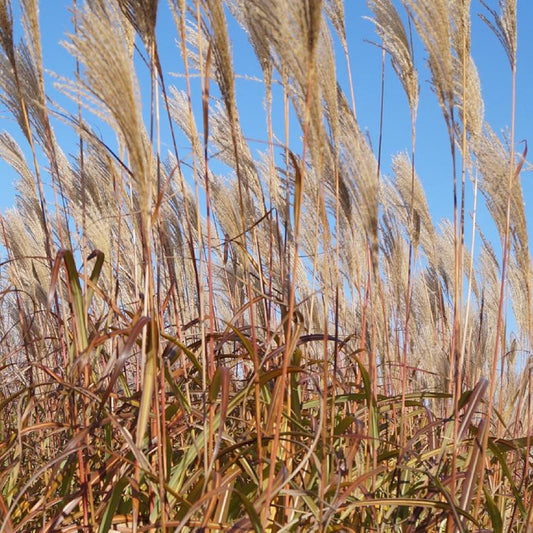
{"points": [[214, 387], [344, 424], [187, 351], [494, 512], [110, 510], [507, 473], [95, 274], [250, 511]]}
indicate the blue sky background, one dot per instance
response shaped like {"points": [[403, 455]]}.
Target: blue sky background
{"points": [[433, 155]]}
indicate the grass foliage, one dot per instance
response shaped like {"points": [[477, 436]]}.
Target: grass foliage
{"points": [[219, 338]]}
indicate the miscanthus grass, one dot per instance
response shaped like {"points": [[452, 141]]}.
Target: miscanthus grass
{"points": [[212, 337]]}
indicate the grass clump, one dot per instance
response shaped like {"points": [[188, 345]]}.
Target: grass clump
{"points": [[226, 338]]}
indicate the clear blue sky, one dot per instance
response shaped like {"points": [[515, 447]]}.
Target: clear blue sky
{"points": [[433, 163]]}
